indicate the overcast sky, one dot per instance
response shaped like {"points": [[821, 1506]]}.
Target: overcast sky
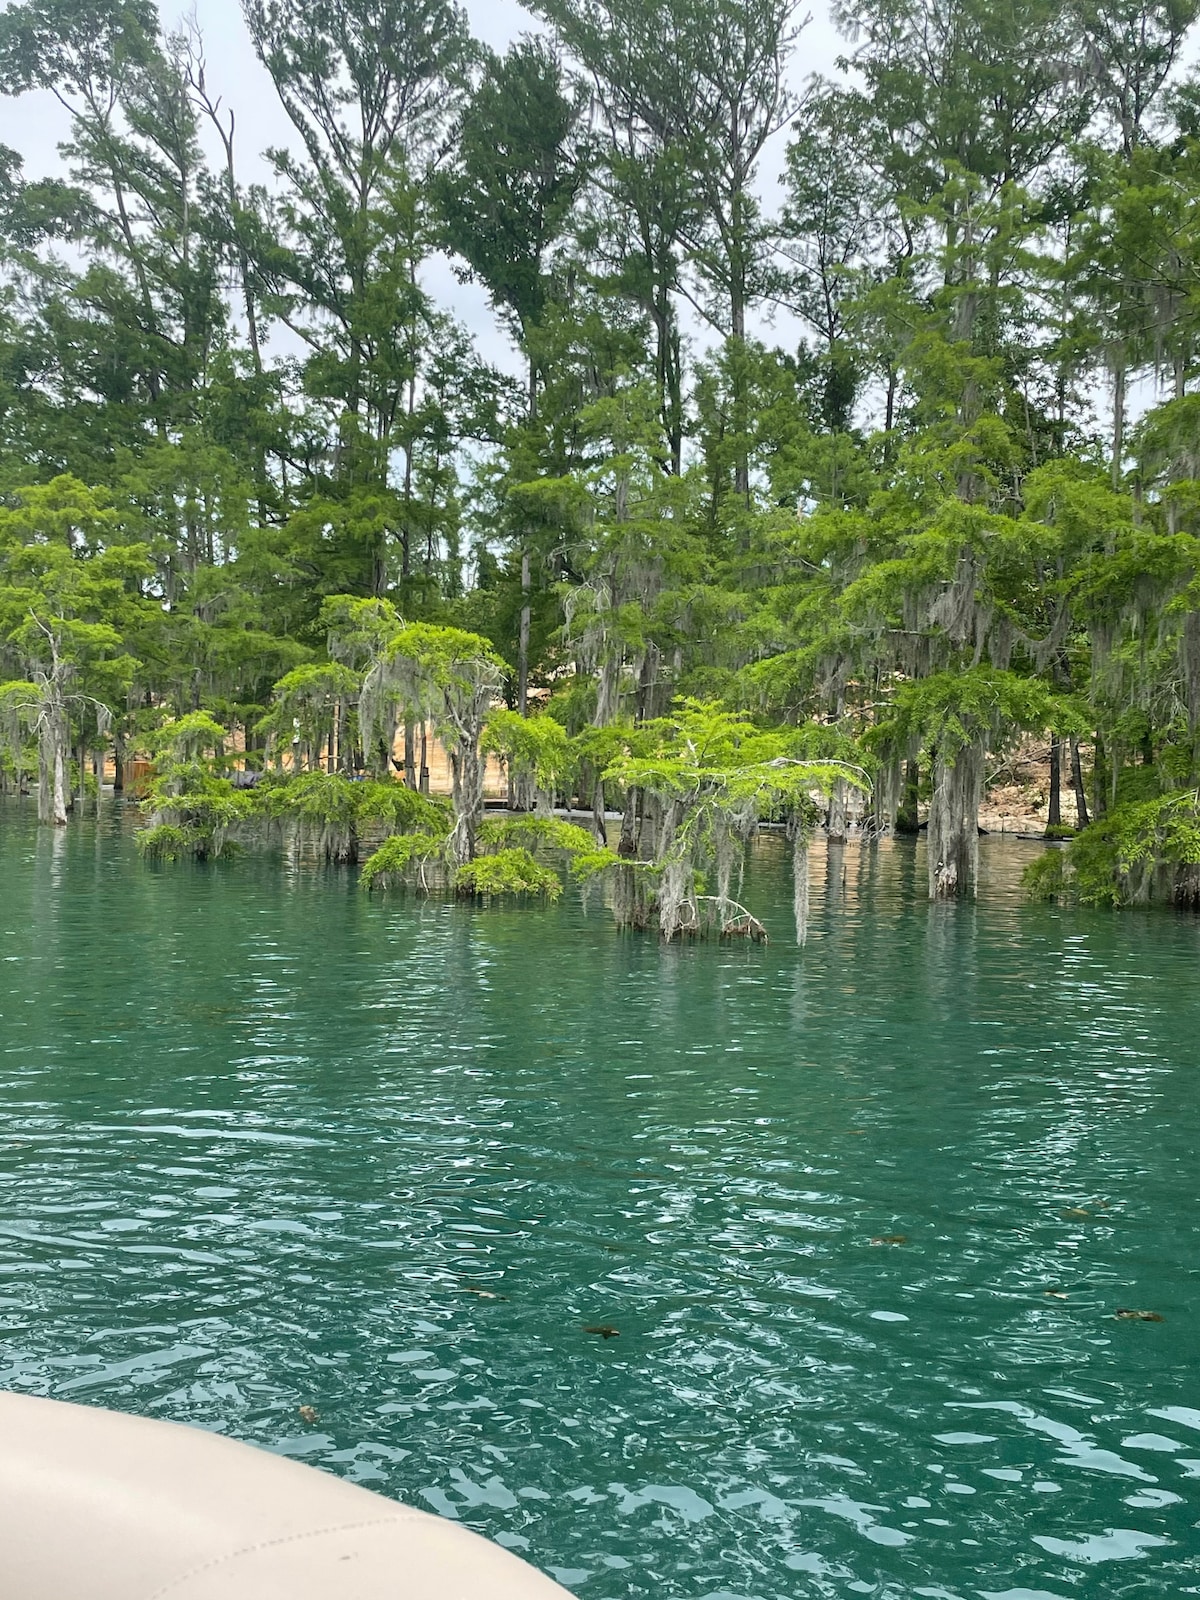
{"points": [[35, 124]]}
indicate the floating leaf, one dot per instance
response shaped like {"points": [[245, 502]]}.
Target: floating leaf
{"points": [[1140, 1316], [310, 1413], [605, 1331], [890, 1238]]}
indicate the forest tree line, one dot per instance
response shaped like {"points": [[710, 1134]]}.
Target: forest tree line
{"points": [[259, 490]]}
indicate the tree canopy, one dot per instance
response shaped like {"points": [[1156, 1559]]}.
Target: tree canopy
{"points": [[253, 469]]}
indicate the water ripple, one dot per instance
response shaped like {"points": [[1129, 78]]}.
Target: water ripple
{"points": [[861, 1217]]}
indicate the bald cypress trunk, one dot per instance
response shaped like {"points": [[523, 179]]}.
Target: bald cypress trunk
{"points": [[410, 752], [523, 637], [907, 820], [466, 777], [954, 824], [1054, 810], [1081, 805], [836, 825]]}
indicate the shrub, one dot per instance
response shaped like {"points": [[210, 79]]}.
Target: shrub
{"points": [[403, 858], [509, 873]]}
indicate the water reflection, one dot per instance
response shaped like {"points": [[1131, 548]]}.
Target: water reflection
{"points": [[266, 1144]]}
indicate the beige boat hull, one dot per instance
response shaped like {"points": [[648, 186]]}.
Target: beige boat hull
{"points": [[96, 1505]]}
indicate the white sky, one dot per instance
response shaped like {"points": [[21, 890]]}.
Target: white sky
{"points": [[35, 124]]}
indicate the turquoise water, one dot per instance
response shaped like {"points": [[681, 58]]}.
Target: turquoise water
{"points": [[261, 1136]]}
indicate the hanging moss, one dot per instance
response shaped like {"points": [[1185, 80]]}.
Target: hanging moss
{"points": [[416, 860], [170, 842], [536, 753], [451, 679], [193, 810], [333, 814], [953, 720], [710, 780]]}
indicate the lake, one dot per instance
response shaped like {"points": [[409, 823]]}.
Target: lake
{"points": [[862, 1214]]}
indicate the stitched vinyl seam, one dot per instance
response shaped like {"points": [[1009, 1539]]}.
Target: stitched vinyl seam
{"points": [[274, 1544]]}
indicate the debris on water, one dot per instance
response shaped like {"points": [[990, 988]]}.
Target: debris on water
{"points": [[484, 1294], [890, 1238], [1076, 1211], [310, 1413], [605, 1331], [1056, 1294], [1140, 1316]]}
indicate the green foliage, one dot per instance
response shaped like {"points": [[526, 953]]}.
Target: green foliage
{"points": [[198, 810], [356, 629], [714, 777], [510, 872], [588, 865], [515, 176], [723, 761], [326, 799], [188, 739], [1046, 877], [311, 705], [535, 833], [564, 842], [450, 661], [1139, 850], [951, 711], [534, 748], [402, 858], [173, 842], [303, 510]]}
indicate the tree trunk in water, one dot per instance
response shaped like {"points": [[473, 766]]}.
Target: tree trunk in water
{"points": [[907, 820], [59, 767], [953, 844], [630, 842], [54, 744], [466, 773], [1081, 806], [836, 825], [118, 764], [1054, 811], [800, 884], [45, 791]]}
